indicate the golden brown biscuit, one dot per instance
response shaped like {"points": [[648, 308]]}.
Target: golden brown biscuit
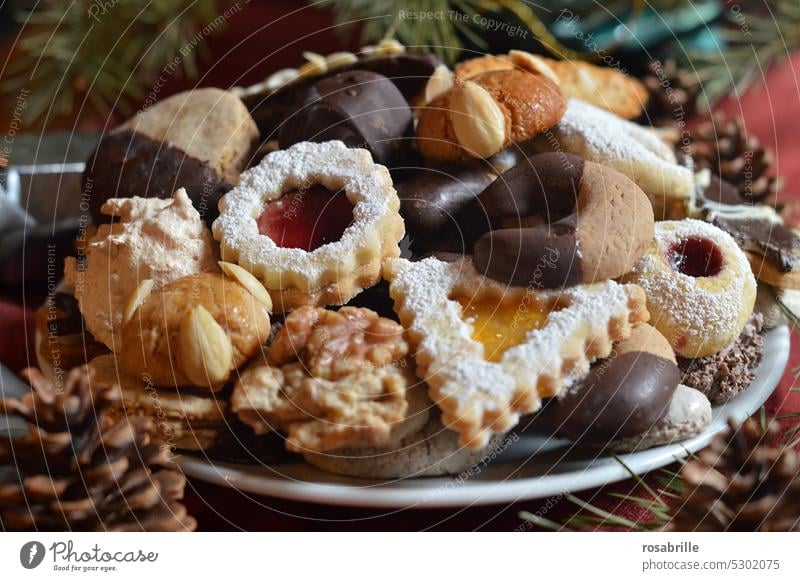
{"points": [[481, 116], [603, 87], [196, 330]]}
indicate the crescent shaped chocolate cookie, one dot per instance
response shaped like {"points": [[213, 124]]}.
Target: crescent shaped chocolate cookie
{"points": [[598, 223], [623, 395]]}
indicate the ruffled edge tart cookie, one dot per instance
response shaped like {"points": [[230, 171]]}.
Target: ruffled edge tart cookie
{"points": [[700, 289], [317, 259], [490, 352]]}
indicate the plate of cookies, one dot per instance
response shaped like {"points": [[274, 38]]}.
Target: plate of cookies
{"points": [[376, 281]]}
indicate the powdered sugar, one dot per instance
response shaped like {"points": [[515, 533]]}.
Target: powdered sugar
{"points": [[700, 307], [367, 185], [460, 376], [629, 148]]}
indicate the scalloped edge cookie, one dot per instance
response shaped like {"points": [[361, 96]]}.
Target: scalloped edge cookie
{"points": [[478, 397], [335, 272]]}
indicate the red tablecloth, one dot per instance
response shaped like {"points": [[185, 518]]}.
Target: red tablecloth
{"points": [[770, 112]]}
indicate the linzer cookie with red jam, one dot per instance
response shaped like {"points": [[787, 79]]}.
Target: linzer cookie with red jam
{"points": [[314, 223], [700, 290], [491, 352]]}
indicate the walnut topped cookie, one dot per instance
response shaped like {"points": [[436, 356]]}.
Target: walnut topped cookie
{"points": [[333, 379], [490, 352], [314, 223]]}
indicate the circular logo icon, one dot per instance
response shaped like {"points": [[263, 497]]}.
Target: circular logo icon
{"points": [[31, 554]]}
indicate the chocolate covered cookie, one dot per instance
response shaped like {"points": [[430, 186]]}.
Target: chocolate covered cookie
{"points": [[200, 140], [358, 108], [558, 220]]}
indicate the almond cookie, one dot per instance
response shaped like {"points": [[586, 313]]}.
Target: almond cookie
{"points": [[152, 239], [636, 151], [333, 379], [482, 115], [199, 140], [491, 352], [314, 222], [595, 223], [197, 330], [603, 87], [700, 290]]}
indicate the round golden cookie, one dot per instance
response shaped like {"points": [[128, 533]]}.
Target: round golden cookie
{"points": [[481, 116], [196, 330], [700, 289]]}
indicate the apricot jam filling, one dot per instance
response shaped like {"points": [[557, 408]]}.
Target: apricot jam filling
{"points": [[502, 324], [306, 218]]}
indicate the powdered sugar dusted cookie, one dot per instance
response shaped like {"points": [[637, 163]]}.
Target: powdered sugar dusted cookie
{"points": [[631, 149], [490, 352], [314, 222]]}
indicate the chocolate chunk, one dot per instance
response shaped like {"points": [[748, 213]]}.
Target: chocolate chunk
{"points": [[726, 374], [408, 71], [775, 242], [127, 164], [436, 202], [360, 108], [722, 192], [541, 257], [622, 396], [546, 184]]}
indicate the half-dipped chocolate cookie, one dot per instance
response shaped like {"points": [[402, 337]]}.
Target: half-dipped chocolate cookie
{"points": [[623, 395], [199, 140], [558, 220], [358, 108], [436, 203]]}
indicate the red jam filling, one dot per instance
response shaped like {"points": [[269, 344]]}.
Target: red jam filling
{"points": [[307, 218], [696, 257]]}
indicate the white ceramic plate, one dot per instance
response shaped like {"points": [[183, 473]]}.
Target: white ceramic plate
{"points": [[531, 467]]}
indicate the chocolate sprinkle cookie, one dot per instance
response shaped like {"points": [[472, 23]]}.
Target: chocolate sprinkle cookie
{"points": [[726, 374]]}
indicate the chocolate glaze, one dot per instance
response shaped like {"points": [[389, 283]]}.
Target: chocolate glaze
{"points": [[360, 108], [128, 164], [722, 192], [622, 396], [544, 256], [436, 202], [408, 71], [775, 242]]}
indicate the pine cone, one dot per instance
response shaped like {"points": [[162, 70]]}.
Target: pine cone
{"points": [[673, 94], [741, 482], [724, 147], [73, 468]]}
